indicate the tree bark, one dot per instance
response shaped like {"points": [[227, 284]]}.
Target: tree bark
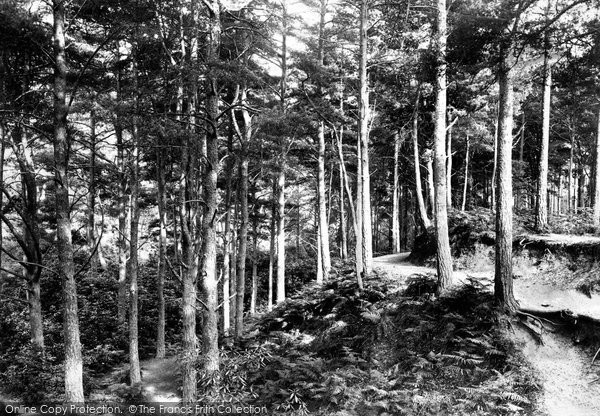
{"points": [[343, 226], [503, 279], [466, 183], [93, 242], [396, 197], [162, 253], [417, 163], [135, 375], [541, 217], [227, 241], [449, 167], [123, 240], [73, 364], [281, 169], [280, 236], [243, 229], [444, 258], [367, 233], [597, 188], [210, 332], [354, 213], [272, 248], [322, 206], [254, 292]]}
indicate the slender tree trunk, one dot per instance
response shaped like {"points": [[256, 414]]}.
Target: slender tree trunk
{"points": [[466, 184], [343, 226], [354, 212], [243, 233], [402, 221], [417, 163], [444, 258], [395, 197], [210, 331], [162, 253], [272, 248], [135, 375], [93, 239], [365, 181], [281, 170], [318, 247], [254, 292], [280, 236], [570, 193], [541, 217], [227, 241], [322, 206], [449, 168], [323, 217], [597, 179], [189, 262], [495, 168], [503, 280], [73, 364], [123, 240]]}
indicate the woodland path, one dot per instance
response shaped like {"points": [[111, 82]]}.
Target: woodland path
{"points": [[160, 381], [570, 385]]}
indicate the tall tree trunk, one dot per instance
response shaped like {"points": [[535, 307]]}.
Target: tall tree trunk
{"points": [[342, 209], [541, 214], [135, 375], [402, 212], [272, 248], [254, 292], [227, 241], [449, 167], [503, 279], [280, 236], [396, 197], [495, 168], [323, 224], [243, 229], [123, 240], [162, 253], [365, 181], [29, 239], [466, 184], [417, 163], [210, 331], [93, 241], [189, 263], [571, 192], [281, 169], [597, 179], [73, 364], [322, 206], [354, 213], [444, 258]]}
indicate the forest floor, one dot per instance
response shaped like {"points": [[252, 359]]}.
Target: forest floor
{"points": [[160, 382], [570, 386]]}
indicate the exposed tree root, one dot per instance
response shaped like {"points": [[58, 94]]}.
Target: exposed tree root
{"points": [[556, 317]]}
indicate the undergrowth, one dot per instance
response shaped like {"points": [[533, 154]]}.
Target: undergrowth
{"points": [[335, 350]]}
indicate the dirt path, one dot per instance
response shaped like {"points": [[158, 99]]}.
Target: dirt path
{"points": [[570, 386], [160, 382], [160, 379]]}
